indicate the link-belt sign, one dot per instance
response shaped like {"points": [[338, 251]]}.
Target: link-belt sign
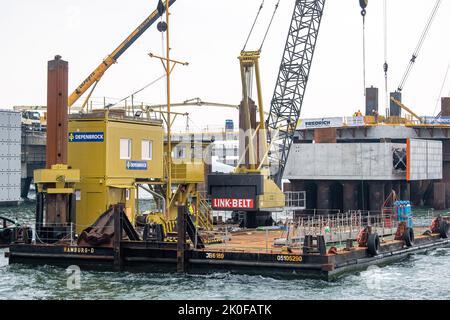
{"points": [[233, 203]]}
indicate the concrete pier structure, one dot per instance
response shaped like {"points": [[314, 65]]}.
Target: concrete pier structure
{"points": [[350, 195], [376, 195], [359, 174], [324, 196]]}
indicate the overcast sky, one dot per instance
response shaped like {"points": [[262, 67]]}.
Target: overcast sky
{"points": [[209, 34]]}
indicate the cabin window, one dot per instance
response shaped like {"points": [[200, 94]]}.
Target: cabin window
{"points": [[125, 149], [198, 152], [180, 152], [147, 149]]}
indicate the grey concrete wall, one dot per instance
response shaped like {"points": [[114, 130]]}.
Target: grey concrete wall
{"points": [[343, 161]]}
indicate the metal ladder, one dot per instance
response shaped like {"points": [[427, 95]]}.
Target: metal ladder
{"points": [[202, 213]]}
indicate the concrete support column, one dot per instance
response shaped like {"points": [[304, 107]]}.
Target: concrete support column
{"points": [[447, 195], [389, 186], [426, 190], [323, 196], [25, 187], [445, 111], [350, 195], [416, 194], [405, 191], [376, 195], [311, 194], [446, 160], [439, 195], [397, 186]]}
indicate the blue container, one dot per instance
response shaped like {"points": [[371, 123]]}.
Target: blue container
{"points": [[409, 215], [404, 212]]}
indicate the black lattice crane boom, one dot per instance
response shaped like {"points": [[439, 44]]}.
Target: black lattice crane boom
{"points": [[292, 80]]}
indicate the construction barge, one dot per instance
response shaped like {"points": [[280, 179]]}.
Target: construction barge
{"points": [[250, 251], [98, 163], [139, 256]]}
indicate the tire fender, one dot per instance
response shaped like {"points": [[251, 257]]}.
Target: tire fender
{"points": [[443, 229], [373, 244], [408, 237]]}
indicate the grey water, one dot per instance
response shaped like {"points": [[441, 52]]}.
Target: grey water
{"points": [[421, 276]]}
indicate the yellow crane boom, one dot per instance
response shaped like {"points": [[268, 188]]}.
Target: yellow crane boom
{"points": [[97, 74]]}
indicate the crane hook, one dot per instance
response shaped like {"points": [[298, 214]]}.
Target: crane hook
{"points": [[363, 4], [162, 25]]}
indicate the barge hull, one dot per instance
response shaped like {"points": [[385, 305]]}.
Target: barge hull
{"points": [[163, 258]]}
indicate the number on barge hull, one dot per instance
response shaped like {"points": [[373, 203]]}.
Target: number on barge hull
{"points": [[283, 258], [215, 255]]}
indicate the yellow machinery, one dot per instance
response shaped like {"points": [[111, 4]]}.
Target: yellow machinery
{"points": [[188, 170], [256, 148], [116, 154], [59, 179], [249, 190], [188, 161], [113, 153], [54, 197]]}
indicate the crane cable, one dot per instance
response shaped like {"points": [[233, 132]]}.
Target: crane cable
{"points": [[363, 4], [385, 65], [270, 24], [442, 89], [268, 27], [254, 23], [419, 46], [136, 92]]}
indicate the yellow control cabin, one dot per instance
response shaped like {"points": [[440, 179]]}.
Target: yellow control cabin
{"points": [[112, 152], [190, 161]]}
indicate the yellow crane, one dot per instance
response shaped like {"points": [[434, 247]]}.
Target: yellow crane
{"points": [[93, 78]]}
